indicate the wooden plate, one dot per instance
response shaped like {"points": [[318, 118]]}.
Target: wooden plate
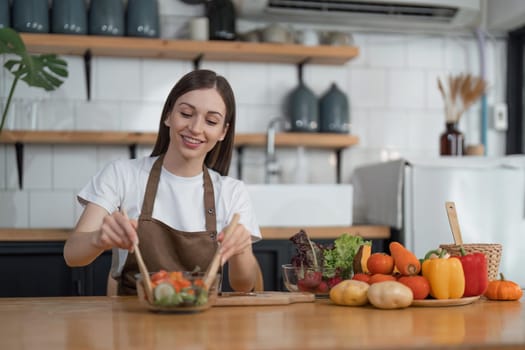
{"points": [[445, 302]]}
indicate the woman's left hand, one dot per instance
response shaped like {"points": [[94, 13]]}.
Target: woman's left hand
{"points": [[237, 242]]}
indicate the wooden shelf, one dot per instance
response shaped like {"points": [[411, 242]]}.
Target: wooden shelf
{"points": [[57, 234], [286, 139], [187, 49]]}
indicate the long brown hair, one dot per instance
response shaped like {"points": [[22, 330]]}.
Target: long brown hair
{"points": [[219, 158]]}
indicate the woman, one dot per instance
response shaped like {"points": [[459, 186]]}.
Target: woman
{"points": [[178, 199]]}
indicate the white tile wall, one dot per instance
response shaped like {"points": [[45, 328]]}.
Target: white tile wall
{"points": [[395, 109]]}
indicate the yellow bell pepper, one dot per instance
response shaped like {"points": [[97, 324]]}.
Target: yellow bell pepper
{"points": [[445, 276]]}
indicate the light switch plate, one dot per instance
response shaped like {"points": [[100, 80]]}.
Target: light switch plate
{"points": [[500, 116]]}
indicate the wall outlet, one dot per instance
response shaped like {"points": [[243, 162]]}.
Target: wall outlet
{"points": [[500, 117]]}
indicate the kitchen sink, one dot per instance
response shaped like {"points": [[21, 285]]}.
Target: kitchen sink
{"points": [[299, 205]]}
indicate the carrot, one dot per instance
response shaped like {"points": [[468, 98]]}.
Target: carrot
{"points": [[406, 262]]}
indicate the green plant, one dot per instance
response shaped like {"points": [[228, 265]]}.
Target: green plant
{"points": [[46, 71]]}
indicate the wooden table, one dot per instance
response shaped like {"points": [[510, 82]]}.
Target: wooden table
{"points": [[121, 323]]}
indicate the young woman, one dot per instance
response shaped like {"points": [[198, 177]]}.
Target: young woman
{"points": [[176, 202]]}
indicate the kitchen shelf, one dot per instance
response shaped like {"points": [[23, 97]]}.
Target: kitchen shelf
{"points": [[19, 138], [187, 49]]}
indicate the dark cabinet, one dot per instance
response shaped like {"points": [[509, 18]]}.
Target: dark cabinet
{"points": [[38, 269]]}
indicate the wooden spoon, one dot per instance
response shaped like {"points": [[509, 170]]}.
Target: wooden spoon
{"points": [[453, 221], [213, 268], [142, 268]]}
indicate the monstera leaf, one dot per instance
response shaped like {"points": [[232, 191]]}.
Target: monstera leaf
{"points": [[45, 71]]}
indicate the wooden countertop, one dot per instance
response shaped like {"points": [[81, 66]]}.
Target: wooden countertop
{"points": [[121, 323], [367, 232]]}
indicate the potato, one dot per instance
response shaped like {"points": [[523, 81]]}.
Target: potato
{"points": [[350, 293], [390, 295]]}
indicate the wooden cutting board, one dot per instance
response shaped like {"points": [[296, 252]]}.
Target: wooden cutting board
{"points": [[263, 298]]}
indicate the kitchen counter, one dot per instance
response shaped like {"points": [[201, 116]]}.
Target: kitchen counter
{"points": [[122, 323]]}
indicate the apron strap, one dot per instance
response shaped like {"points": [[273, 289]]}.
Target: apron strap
{"points": [[151, 189], [209, 202]]}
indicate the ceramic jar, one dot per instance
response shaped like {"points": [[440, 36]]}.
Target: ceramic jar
{"points": [[142, 18], [221, 18], [69, 17], [303, 109], [106, 17], [5, 14], [333, 111], [31, 16]]}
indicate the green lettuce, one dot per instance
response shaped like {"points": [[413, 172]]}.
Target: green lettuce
{"points": [[339, 259]]}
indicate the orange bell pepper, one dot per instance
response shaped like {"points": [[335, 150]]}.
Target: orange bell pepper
{"points": [[445, 276]]}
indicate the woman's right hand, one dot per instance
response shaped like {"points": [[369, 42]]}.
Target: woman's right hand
{"points": [[116, 231]]}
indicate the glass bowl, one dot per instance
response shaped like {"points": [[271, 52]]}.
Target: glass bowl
{"points": [[314, 280], [178, 291]]}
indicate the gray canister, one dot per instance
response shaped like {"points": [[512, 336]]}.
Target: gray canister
{"points": [[5, 11], [303, 109], [106, 17], [69, 17], [31, 16], [334, 112], [142, 18]]}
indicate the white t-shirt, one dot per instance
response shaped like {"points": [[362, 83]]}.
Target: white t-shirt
{"points": [[179, 202]]}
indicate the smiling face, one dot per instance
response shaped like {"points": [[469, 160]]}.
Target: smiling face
{"points": [[197, 122]]}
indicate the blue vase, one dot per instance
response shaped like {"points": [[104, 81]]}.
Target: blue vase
{"points": [[106, 17], [31, 16], [5, 18], [142, 18], [69, 17], [333, 109]]}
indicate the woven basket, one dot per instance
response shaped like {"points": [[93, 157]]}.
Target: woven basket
{"points": [[491, 250]]}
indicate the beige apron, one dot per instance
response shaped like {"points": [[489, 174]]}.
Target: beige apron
{"points": [[163, 247]]}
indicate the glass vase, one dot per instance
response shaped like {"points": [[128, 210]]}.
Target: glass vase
{"points": [[452, 141]]}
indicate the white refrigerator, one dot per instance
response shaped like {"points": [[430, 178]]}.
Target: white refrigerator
{"points": [[410, 195]]}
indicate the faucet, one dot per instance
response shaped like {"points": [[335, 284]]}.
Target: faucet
{"points": [[272, 167]]}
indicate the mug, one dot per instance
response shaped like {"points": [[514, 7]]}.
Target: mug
{"points": [[69, 17], [142, 18], [199, 28], [5, 19], [31, 16], [307, 37], [276, 33], [106, 17]]}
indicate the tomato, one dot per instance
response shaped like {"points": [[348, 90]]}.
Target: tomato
{"points": [[380, 277], [380, 263], [159, 276], [419, 285], [361, 277]]}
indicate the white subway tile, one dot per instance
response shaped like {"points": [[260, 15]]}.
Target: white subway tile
{"points": [[426, 52], [51, 209], [387, 129], [159, 77], [138, 116], [56, 114], [249, 82], [368, 87], [386, 51], [406, 89], [434, 98], [107, 154], [73, 166], [282, 79], [38, 171], [97, 115], [14, 209], [255, 118], [116, 79]]}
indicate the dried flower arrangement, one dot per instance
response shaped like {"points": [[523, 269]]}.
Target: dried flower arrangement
{"points": [[460, 93]]}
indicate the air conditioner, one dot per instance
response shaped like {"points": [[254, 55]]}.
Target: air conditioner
{"points": [[382, 14]]}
